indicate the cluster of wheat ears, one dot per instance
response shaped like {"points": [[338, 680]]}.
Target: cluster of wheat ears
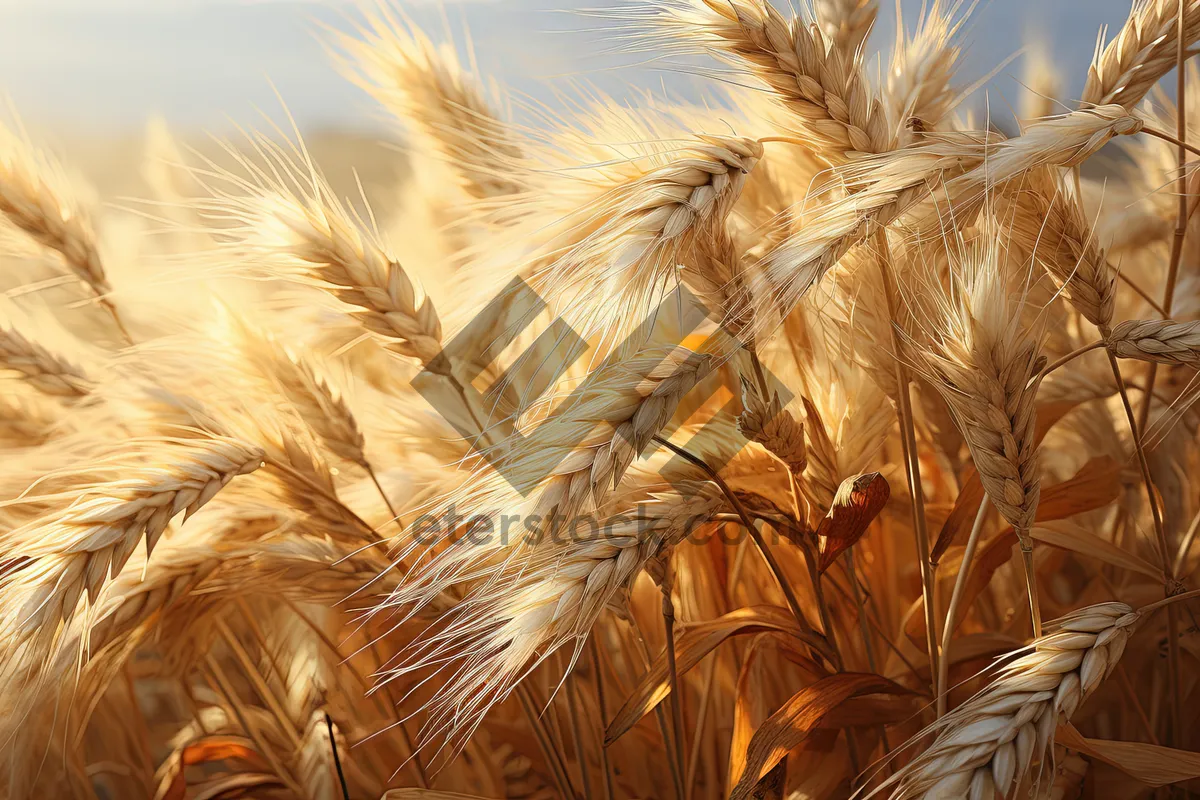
{"points": [[878, 421]]}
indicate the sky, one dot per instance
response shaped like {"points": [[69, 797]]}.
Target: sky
{"points": [[108, 65]]}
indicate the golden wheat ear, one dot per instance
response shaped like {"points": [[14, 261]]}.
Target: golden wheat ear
{"points": [[1141, 53], [78, 547], [987, 745], [426, 88]]}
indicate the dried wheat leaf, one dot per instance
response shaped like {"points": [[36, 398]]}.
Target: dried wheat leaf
{"points": [[1151, 764], [173, 784], [1097, 484], [695, 642], [790, 725], [965, 507], [1077, 539], [857, 503]]}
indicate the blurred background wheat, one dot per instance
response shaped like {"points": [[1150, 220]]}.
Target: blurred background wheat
{"points": [[663, 399]]}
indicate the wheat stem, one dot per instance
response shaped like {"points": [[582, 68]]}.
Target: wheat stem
{"points": [[814, 575], [960, 585], [601, 706], [577, 737], [1069, 357], [1185, 546], [908, 441], [384, 496], [776, 570], [554, 757], [668, 614]]}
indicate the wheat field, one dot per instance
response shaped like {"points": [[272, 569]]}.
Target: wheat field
{"points": [[825, 439]]}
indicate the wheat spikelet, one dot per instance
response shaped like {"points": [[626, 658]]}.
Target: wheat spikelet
{"points": [[77, 548], [285, 218], [919, 91], [988, 744], [764, 421], [1055, 231], [830, 100], [647, 226], [895, 183], [846, 23], [1164, 341], [1142, 52], [986, 367], [48, 372], [35, 196], [426, 87]]}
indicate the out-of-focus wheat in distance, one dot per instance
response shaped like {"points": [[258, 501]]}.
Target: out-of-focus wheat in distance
{"points": [[907, 509]]}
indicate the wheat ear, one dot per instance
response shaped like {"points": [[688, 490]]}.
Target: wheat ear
{"points": [[355, 268], [1143, 51], [550, 599], [987, 369], [846, 23], [987, 745], [765, 421], [638, 408], [1163, 341], [919, 80], [93, 537], [895, 183], [35, 196], [1055, 231], [426, 87], [825, 90], [46, 371], [645, 227]]}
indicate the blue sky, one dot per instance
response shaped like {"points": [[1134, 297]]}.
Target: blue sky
{"points": [[107, 65]]}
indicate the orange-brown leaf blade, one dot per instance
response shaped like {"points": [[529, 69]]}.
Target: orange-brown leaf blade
{"points": [[858, 501]]}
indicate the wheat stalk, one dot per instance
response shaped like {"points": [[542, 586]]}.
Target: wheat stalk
{"points": [[989, 743]]}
